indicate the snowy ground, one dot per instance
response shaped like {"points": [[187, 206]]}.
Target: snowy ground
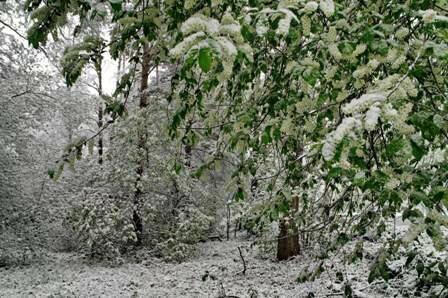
{"points": [[68, 275]]}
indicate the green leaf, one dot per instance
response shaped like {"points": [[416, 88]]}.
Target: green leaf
{"points": [[417, 150], [266, 137], [253, 3], [35, 36], [348, 292], [437, 237], [442, 268], [177, 167], [410, 213], [149, 29], [51, 173], [248, 33], [417, 196], [395, 146], [420, 267], [205, 59], [411, 256], [282, 207], [239, 195], [304, 276], [58, 172], [116, 5], [198, 173]]}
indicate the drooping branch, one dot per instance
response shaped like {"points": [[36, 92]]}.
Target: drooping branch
{"points": [[23, 37]]}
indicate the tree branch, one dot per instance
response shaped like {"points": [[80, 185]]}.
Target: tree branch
{"points": [[24, 37]]}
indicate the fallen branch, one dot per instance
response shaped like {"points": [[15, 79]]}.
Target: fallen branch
{"points": [[244, 262]]}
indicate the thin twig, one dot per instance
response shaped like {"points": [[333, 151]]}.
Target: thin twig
{"points": [[24, 37], [244, 262], [13, 29]]}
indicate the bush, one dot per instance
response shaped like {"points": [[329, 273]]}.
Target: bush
{"points": [[102, 224], [16, 251], [173, 250], [193, 226]]}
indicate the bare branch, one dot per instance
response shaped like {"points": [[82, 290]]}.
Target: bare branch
{"points": [[244, 262], [24, 37]]}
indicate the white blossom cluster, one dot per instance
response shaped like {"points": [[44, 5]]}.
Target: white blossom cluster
{"points": [[204, 32], [360, 48], [262, 29], [310, 7], [402, 33], [216, 3], [436, 156], [371, 106], [327, 7], [199, 23], [284, 8], [363, 103], [306, 25], [283, 24], [331, 72], [188, 4], [182, 48], [285, 21], [366, 70], [346, 128], [372, 116], [412, 233], [334, 51], [331, 35], [391, 55], [431, 15], [398, 62], [399, 117], [342, 24]]}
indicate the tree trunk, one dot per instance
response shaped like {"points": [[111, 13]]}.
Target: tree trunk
{"points": [[136, 215], [100, 136], [100, 112], [228, 222], [188, 150], [288, 239]]}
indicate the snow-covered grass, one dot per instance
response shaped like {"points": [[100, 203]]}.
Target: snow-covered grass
{"points": [[213, 272]]}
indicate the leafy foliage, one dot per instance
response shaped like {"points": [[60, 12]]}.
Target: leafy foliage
{"points": [[338, 107], [75, 58]]}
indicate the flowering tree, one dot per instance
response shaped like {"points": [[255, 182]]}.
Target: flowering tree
{"points": [[345, 101]]}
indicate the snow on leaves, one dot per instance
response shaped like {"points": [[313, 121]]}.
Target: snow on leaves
{"points": [[221, 38]]}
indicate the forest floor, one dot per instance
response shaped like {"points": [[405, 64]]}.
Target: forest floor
{"points": [[215, 271]]}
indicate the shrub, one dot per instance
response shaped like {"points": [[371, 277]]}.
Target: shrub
{"points": [[173, 250], [102, 224], [193, 226]]}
